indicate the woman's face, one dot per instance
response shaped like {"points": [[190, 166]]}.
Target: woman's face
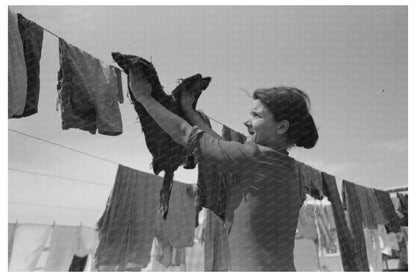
{"points": [[261, 125]]}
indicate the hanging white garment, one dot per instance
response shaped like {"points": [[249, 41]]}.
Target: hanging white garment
{"points": [[29, 241], [62, 248]]}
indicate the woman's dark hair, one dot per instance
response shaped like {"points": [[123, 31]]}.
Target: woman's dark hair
{"points": [[291, 104]]}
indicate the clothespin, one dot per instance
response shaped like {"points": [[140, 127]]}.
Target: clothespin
{"points": [[17, 220], [53, 224]]}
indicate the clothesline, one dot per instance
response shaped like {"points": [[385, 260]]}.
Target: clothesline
{"points": [[52, 206], [65, 147], [81, 152], [59, 177]]}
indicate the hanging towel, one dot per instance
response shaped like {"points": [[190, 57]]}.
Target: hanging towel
{"points": [[216, 248], [355, 219], [11, 231], [348, 256], [89, 92], [29, 241], [167, 154], [32, 38], [387, 207], [127, 227], [17, 68], [62, 248], [88, 241]]}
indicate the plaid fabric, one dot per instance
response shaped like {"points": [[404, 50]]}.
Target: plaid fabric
{"points": [[370, 208], [311, 180], [348, 256], [355, 218], [388, 211]]}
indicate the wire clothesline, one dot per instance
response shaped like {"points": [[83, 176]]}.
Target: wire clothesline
{"points": [[85, 153], [65, 147], [58, 177], [52, 206]]}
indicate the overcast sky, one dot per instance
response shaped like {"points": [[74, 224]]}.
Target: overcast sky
{"points": [[352, 61]]}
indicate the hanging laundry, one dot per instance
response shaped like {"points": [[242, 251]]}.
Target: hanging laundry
{"points": [[306, 255], [355, 219], [11, 231], [89, 92], [388, 241], [372, 213], [348, 256], [88, 241], [195, 258], [29, 241], [307, 228], [127, 227], [179, 227], [78, 263], [32, 38], [387, 208], [62, 247], [177, 231], [403, 208], [17, 76], [167, 154], [374, 255], [311, 180], [216, 247], [326, 230]]}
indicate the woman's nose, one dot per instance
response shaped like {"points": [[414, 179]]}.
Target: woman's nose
{"points": [[247, 123]]}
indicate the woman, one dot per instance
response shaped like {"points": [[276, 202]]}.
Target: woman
{"points": [[266, 204]]}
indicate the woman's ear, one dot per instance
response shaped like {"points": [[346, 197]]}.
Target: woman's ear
{"points": [[282, 127]]}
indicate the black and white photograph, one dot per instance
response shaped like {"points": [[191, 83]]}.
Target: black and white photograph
{"points": [[207, 137]]}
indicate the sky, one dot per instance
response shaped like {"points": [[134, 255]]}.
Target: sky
{"points": [[352, 61]]}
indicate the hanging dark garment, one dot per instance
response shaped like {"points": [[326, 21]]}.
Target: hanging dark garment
{"points": [[78, 263], [351, 199], [167, 154], [32, 39], [388, 211], [403, 208], [348, 256]]}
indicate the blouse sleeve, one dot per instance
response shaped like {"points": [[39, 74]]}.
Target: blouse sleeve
{"points": [[230, 155]]}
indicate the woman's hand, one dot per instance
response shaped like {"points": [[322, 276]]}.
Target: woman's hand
{"points": [[139, 85]]}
